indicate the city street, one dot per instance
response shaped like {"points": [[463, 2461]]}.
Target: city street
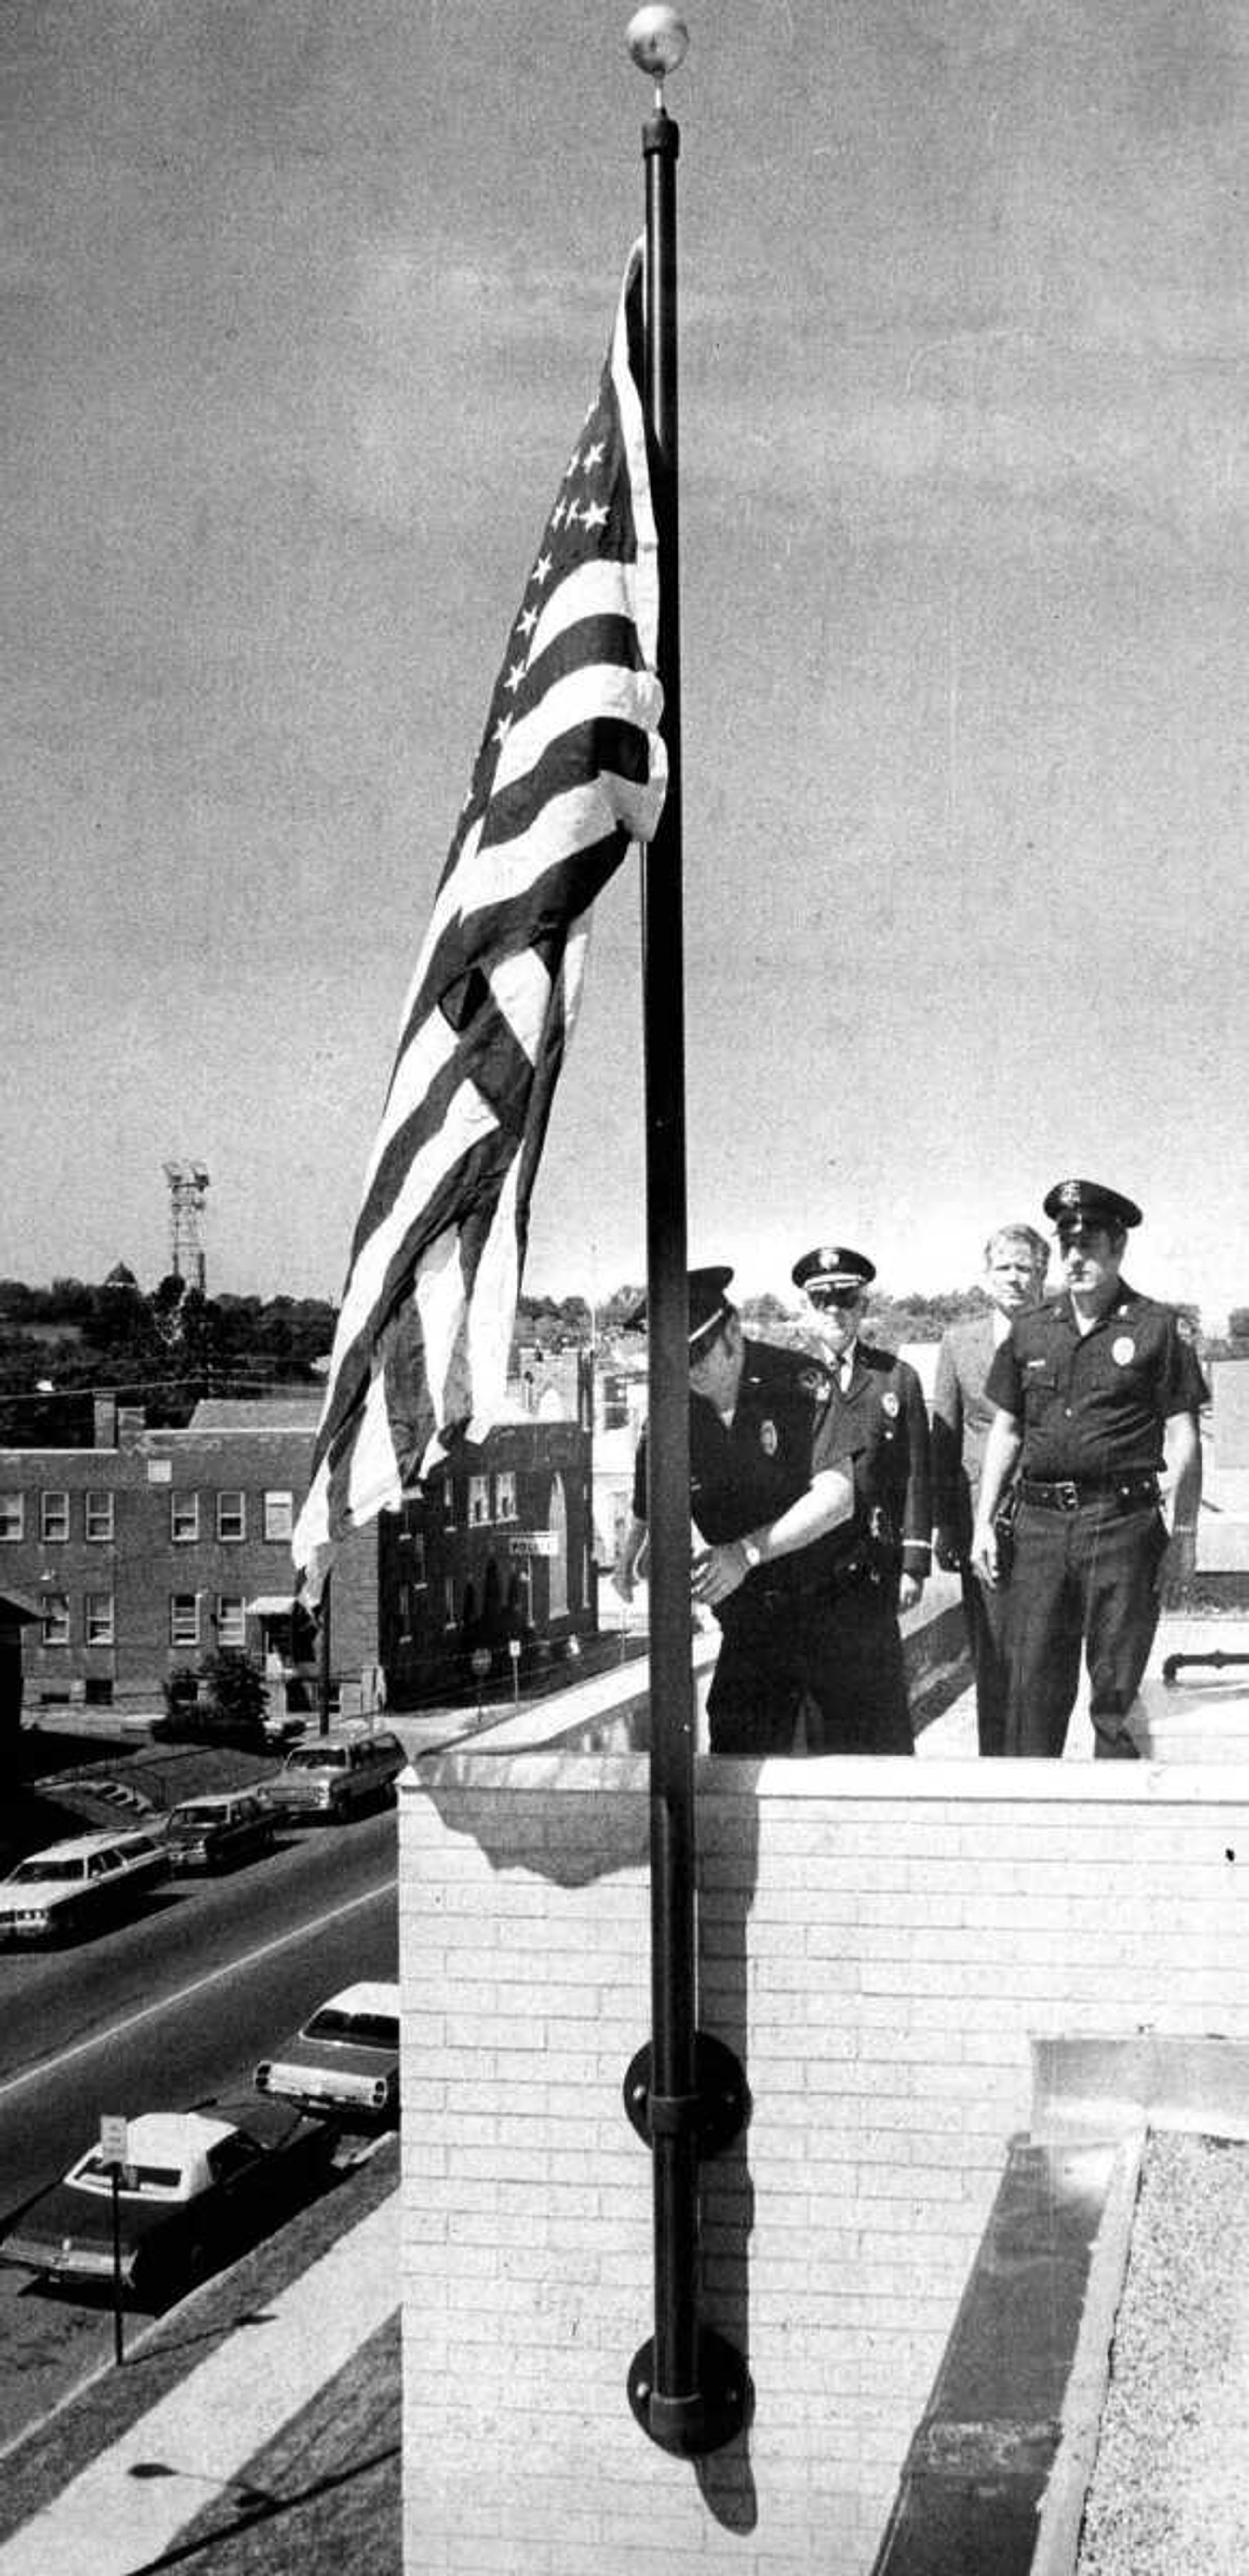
{"points": [[168, 2010]]}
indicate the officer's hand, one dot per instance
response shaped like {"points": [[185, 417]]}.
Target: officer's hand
{"points": [[948, 1556], [717, 1571], [984, 1554], [910, 1591]]}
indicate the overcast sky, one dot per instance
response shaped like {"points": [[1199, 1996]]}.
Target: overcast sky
{"points": [[304, 300]]}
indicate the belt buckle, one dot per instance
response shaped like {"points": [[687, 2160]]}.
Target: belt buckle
{"points": [[1067, 1494]]}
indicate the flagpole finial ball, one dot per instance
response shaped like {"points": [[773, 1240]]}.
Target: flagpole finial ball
{"points": [[658, 39]]}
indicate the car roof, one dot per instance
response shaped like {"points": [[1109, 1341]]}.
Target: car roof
{"points": [[73, 1844], [212, 1798], [369, 1997], [172, 2137]]}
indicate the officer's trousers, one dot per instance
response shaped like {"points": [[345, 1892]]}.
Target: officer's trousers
{"points": [[1085, 1577], [844, 1652]]}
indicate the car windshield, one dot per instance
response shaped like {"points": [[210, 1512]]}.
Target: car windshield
{"points": [[360, 2030], [198, 1816], [139, 2182], [29, 1872], [317, 1757]]}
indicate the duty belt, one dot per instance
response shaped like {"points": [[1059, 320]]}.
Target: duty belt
{"points": [[1068, 1493]]}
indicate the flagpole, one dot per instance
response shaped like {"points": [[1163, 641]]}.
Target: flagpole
{"points": [[686, 2387]]}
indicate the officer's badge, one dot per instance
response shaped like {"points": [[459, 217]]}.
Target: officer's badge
{"points": [[813, 1382], [1122, 1349], [889, 1404], [768, 1439]]}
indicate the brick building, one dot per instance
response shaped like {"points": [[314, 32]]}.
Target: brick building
{"points": [[153, 1547]]}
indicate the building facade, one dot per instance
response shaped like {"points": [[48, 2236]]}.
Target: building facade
{"points": [[153, 1548]]}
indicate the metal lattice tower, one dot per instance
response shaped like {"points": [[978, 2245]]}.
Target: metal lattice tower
{"points": [[188, 1190]]}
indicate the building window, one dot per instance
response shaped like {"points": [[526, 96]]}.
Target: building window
{"points": [[478, 1500], [615, 1404], [417, 1543], [405, 1614], [99, 1629], [184, 1619], [55, 1607], [448, 1600], [279, 1515], [99, 1519], [505, 1494], [183, 1518], [54, 1516], [12, 1516], [448, 1502], [231, 1516], [231, 1619]]}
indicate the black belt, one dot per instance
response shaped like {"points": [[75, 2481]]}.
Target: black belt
{"points": [[1068, 1493]]}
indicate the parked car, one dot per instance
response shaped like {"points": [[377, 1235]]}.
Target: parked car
{"points": [[196, 2188], [73, 1886], [334, 1776], [225, 1826], [345, 2059]]}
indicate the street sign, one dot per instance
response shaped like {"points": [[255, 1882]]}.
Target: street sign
{"points": [[533, 1543], [114, 2138]]}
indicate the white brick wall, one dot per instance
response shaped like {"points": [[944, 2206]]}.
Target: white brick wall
{"points": [[880, 1943]]}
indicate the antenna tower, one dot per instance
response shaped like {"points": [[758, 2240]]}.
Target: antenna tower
{"points": [[188, 1190]]}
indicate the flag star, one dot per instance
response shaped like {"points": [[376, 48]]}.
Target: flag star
{"points": [[557, 514], [542, 570], [571, 467], [594, 515], [593, 455], [527, 620], [571, 515], [514, 677], [502, 730]]}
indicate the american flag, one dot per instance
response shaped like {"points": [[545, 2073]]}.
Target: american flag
{"points": [[571, 769]]}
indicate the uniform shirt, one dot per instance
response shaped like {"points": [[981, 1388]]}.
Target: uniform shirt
{"points": [[745, 1473], [880, 1419], [1094, 1404]]}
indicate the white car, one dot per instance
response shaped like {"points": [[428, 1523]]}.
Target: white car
{"points": [[73, 1886], [345, 2059], [329, 1778]]}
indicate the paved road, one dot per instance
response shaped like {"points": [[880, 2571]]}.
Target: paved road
{"points": [[161, 2012]]}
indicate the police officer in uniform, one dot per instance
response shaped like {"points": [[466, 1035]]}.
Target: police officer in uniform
{"points": [[1096, 1392], [878, 1416], [769, 1488]]}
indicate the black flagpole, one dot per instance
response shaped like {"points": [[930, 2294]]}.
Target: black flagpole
{"points": [[686, 2387]]}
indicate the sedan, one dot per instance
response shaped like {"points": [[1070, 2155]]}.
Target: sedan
{"points": [[210, 1832], [195, 2188], [345, 2059]]}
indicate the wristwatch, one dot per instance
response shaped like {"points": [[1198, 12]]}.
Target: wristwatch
{"points": [[752, 1552]]}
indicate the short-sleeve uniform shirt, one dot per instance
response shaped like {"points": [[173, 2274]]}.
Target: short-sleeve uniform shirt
{"points": [[744, 1474], [1094, 1404]]}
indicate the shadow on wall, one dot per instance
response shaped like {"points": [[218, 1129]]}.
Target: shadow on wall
{"points": [[563, 1819]]}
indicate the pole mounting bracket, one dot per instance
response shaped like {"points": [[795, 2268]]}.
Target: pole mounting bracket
{"points": [[714, 2112], [703, 2418]]}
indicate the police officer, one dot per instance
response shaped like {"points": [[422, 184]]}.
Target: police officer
{"points": [[1095, 1392], [878, 1416], [769, 1486]]}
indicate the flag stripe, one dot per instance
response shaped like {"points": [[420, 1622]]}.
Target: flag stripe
{"points": [[571, 767]]}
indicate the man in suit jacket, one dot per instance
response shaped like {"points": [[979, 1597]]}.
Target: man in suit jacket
{"points": [[877, 1417], [1016, 1258]]}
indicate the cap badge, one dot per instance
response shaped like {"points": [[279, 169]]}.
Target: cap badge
{"points": [[1069, 1194], [768, 1439], [889, 1404], [1122, 1349]]}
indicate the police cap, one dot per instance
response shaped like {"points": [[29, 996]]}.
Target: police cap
{"points": [[1089, 1203], [833, 1265], [708, 1304]]}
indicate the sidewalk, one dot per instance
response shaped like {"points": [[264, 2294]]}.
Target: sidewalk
{"points": [[138, 2490]]}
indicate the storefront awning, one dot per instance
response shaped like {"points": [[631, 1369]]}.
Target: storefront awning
{"points": [[271, 1605]]}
